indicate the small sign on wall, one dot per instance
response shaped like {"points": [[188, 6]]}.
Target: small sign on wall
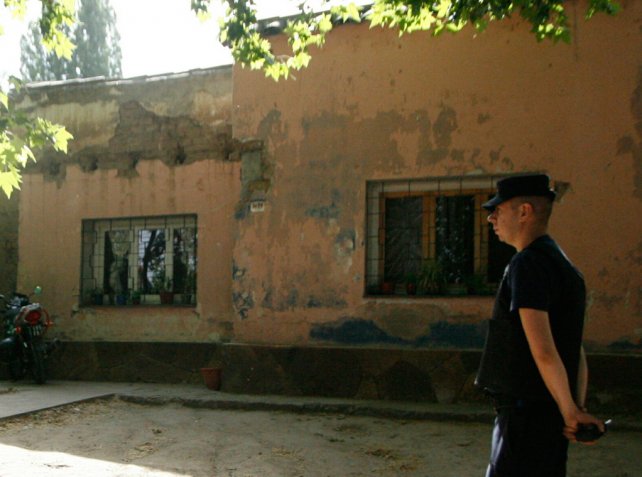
{"points": [[257, 206], [257, 201]]}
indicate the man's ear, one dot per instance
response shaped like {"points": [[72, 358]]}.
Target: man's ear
{"points": [[526, 210]]}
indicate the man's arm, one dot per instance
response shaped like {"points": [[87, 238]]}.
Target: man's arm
{"points": [[540, 341], [582, 380]]}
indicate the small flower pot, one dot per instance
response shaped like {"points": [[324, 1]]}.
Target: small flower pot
{"points": [[167, 298], [388, 288], [212, 378]]}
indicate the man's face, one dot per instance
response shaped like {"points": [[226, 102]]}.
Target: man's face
{"points": [[505, 221]]}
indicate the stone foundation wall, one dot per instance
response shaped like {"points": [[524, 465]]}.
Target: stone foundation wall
{"points": [[444, 376]]}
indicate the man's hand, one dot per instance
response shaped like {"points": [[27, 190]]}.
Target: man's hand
{"points": [[540, 340], [574, 418]]}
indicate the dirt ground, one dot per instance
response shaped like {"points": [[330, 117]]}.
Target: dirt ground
{"points": [[115, 438]]}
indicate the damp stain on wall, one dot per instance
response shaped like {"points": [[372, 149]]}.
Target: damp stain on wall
{"points": [[243, 303], [628, 145], [353, 331], [358, 331], [323, 211]]}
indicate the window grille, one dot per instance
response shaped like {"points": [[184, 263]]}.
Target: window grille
{"points": [[432, 233], [147, 260]]}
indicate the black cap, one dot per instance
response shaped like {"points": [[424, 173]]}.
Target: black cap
{"points": [[520, 186]]}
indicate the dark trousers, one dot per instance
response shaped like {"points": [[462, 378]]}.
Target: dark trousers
{"points": [[528, 441]]}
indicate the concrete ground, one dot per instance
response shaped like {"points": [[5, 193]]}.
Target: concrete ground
{"points": [[18, 398], [87, 428]]}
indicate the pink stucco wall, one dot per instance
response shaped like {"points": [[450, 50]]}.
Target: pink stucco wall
{"points": [[376, 106], [50, 244]]}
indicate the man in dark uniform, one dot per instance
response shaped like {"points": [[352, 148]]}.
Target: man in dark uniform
{"points": [[533, 364]]}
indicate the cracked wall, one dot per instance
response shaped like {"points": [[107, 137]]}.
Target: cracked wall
{"points": [[374, 106]]}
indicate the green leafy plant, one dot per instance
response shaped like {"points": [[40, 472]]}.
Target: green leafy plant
{"points": [[431, 278], [95, 296], [136, 296], [20, 135], [161, 284]]}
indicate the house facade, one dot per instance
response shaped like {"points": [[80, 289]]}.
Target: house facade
{"points": [[335, 218]]}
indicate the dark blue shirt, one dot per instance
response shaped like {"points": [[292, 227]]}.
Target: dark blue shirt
{"points": [[543, 278]]}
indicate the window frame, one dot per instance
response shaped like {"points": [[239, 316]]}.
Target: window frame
{"points": [[378, 191], [133, 226]]}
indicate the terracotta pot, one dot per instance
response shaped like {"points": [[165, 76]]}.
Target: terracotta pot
{"points": [[212, 378], [166, 298], [387, 288]]}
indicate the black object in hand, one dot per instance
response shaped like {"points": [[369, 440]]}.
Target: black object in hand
{"points": [[590, 432]]}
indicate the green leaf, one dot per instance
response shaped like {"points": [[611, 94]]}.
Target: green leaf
{"points": [[325, 24], [61, 138], [10, 180], [353, 13]]}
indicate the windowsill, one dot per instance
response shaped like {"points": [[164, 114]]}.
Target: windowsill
{"points": [[142, 305], [423, 297]]}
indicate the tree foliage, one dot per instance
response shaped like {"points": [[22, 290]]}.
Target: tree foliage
{"points": [[239, 27], [97, 51], [16, 149], [20, 135]]}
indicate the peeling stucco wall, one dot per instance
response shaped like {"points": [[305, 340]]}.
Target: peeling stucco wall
{"points": [[376, 106], [153, 146], [178, 119]]}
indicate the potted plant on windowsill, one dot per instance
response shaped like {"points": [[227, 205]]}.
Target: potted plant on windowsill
{"points": [[121, 298], [167, 293], [136, 297], [387, 287], [97, 296], [431, 279]]}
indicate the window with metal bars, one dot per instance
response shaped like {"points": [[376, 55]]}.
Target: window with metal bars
{"points": [[141, 260], [430, 236]]}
